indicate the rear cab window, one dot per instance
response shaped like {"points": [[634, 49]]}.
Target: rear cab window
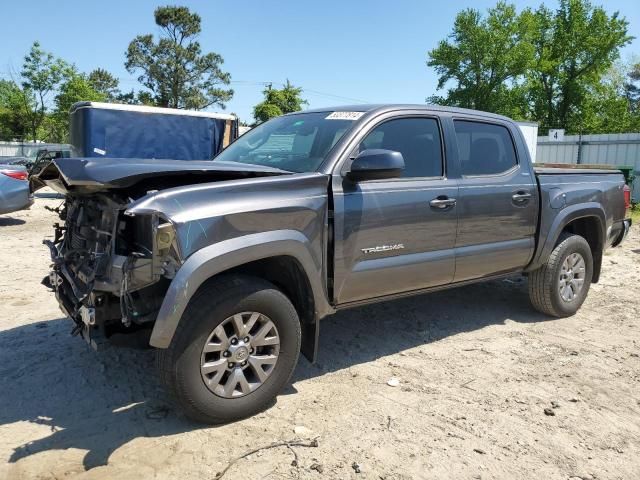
{"points": [[484, 148]]}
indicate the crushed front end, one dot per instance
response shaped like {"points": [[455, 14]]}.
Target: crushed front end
{"points": [[110, 271], [113, 259]]}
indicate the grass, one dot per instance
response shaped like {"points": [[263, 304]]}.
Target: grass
{"points": [[635, 215]]}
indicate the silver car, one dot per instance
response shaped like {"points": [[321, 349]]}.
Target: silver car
{"points": [[14, 188]]}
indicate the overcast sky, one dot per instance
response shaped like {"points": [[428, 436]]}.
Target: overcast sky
{"points": [[338, 51]]}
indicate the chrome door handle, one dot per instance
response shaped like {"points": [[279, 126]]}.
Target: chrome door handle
{"points": [[521, 196], [442, 202]]}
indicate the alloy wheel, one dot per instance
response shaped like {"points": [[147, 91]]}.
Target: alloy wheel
{"points": [[571, 278], [240, 354]]}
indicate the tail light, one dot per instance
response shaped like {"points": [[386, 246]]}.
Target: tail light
{"points": [[627, 197], [17, 174]]}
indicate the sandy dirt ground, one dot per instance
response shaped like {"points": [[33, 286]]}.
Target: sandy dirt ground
{"points": [[476, 369]]}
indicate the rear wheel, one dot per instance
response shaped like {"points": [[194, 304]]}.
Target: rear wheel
{"points": [[235, 348], [560, 286]]}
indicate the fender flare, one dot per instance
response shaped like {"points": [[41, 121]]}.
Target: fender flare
{"points": [[222, 256], [566, 216]]}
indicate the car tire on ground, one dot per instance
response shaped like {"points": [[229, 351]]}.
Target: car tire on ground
{"points": [[234, 350], [560, 286]]}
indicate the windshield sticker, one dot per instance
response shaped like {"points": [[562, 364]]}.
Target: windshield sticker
{"points": [[344, 116]]}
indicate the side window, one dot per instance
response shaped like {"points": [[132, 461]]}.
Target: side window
{"points": [[418, 139], [484, 148]]}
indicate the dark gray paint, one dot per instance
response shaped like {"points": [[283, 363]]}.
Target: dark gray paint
{"points": [[496, 234], [569, 195], [370, 214], [89, 175], [225, 223], [484, 234]]}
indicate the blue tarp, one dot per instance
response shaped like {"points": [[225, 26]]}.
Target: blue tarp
{"points": [[116, 133]]}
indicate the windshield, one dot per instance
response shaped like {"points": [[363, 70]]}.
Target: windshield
{"points": [[297, 143]]}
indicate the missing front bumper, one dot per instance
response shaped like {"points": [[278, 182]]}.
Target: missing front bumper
{"points": [[84, 318]]}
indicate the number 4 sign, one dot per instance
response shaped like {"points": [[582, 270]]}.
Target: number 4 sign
{"points": [[556, 135]]}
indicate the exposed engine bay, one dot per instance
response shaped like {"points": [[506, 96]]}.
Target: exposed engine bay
{"points": [[110, 270]]}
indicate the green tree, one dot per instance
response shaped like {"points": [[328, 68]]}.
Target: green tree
{"points": [[540, 65], [632, 88], [109, 86], [136, 98], [574, 47], [483, 59], [14, 112], [77, 88], [174, 68], [611, 105], [41, 75], [605, 110], [278, 102], [105, 83]]}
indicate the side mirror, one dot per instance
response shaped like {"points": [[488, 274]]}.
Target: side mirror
{"points": [[376, 164]]}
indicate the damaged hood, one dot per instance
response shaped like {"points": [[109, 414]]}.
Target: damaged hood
{"points": [[87, 175]]}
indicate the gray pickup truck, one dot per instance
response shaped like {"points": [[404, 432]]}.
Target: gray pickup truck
{"points": [[226, 267]]}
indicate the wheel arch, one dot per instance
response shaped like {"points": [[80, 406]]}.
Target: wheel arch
{"points": [[284, 258], [586, 220], [287, 273], [590, 229]]}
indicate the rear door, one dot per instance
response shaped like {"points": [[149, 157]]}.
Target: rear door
{"points": [[497, 201], [389, 237]]}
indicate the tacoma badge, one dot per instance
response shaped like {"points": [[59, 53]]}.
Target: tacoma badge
{"points": [[383, 248]]}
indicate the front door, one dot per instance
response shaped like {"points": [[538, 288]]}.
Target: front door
{"points": [[396, 235]]}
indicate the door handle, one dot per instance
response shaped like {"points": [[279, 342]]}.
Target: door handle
{"points": [[521, 197], [442, 202]]}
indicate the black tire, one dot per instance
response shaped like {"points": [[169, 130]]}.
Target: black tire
{"points": [[544, 283], [219, 299]]}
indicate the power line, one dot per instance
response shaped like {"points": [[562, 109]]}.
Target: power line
{"points": [[336, 96], [308, 90], [250, 82]]}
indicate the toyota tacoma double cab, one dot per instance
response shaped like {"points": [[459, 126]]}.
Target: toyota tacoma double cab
{"points": [[226, 267]]}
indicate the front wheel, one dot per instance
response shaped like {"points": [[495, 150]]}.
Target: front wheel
{"points": [[235, 348], [560, 286]]}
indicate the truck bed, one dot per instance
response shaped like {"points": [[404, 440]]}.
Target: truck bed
{"points": [[572, 169]]}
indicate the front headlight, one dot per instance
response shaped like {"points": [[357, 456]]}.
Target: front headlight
{"points": [[165, 235]]}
